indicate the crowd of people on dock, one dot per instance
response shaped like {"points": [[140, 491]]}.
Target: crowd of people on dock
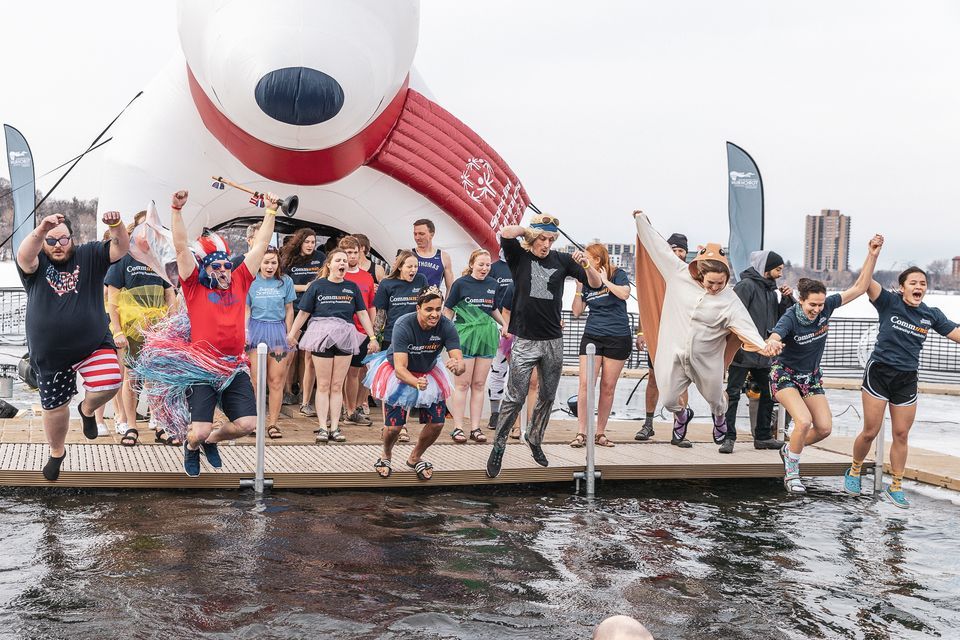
{"points": [[340, 330]]}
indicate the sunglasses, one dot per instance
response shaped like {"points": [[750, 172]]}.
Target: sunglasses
{"points": [[217, 266], [64, 241]]}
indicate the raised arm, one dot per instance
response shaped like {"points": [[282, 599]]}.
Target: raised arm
{"points": [[666, 261], [119, 239], [865, 280], [954, 335], [512, 231], [29, 251], [186, 262], [261, 241]]}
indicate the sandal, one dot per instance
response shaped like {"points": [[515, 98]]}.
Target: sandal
{"points": [[163, 437], [477, 435], [380, 465], [422, 468], [273, 432], [337, 435], [458, 435], [515, 432], [601, 440], [322, 436], [130, 438], [578, 441], [404, 436]]}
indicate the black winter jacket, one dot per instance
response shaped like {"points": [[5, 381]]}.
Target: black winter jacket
{"points": [[759, 296]]}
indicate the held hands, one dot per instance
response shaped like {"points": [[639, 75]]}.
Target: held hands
{"points": [[422, 383], [111, 218], [503, 331], [373, 346], [121, 340], [292, 339], [50, 222], [773, 348], [456, 366], [641, 342], [875, 244], [179, 199]]}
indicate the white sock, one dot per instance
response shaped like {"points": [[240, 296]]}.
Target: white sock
{"points": [[793, 457]]}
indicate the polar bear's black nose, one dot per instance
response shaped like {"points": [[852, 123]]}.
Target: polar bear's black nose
{"points": [[299, 96]]}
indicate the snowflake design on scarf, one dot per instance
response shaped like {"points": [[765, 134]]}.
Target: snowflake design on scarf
{"points": [[63, 282]]}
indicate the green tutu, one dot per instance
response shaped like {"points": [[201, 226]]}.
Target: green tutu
{"points": [[479, 333]]}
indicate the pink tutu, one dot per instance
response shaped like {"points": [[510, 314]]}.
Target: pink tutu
{"points": [[326, 333]]}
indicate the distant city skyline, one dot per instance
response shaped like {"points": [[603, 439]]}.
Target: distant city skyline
{"points": [[605, 108]]}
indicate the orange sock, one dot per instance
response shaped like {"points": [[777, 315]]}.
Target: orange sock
{"points": [[855, 467]]}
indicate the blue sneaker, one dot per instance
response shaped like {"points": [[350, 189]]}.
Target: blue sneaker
{"points": [[896, 498], [191, 461], [851, 483], [212, 454]]}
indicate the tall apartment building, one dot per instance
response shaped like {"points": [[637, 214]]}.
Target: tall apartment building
{"points": [[956, 267], [827, 242]]}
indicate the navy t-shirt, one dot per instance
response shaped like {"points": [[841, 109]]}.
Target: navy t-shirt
{"points": [[803, 345], [306, 272], [482, 294], [506, 301], [500, 272], [903, 330], [129, 273], [608, 313], [64, 315], [325, 299], [422, 346], [398, 297]]}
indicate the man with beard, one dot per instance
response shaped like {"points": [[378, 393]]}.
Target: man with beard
{"points": [[64, 287], [215, 295]]}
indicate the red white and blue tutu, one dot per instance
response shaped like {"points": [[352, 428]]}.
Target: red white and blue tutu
{"points": [[273, 333], [326, 333], [383, 383]]}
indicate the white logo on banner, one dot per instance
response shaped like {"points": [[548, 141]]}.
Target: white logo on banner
{"points": [[477, 178], [19, 159], [478, 181], [744, 180]]}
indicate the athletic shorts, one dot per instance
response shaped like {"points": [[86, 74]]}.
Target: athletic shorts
{"points": [[357, 360], [100, 372], [808, 384], [883, 382], [237, 400], [332, 352], [613, 347], [395, 416]]}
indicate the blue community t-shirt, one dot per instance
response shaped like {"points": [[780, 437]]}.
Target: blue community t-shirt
{"points": [[268, 298], [145, 286], [398, 297], [482, 294], [608, 313], [803, 345], [306, 272], [903, 329], [500, 271], [422, 346], [326, 299]]}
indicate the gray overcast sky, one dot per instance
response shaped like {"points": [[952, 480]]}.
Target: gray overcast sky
{"points": [[603, 107]]}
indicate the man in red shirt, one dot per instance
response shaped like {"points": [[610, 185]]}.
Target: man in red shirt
{"points": [[215, 294], [354, 393]]}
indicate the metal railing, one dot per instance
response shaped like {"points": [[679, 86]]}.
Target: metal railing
{"points": [[13, 311], [849, 345]]}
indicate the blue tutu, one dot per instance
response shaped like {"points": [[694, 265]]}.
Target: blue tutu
{"points": [[271, 332]]}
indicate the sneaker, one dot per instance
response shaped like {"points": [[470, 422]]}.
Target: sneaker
{"points": [[645, 433], [719, 429], [102, 430], [153, 423], [308, 410], [896, 498], [492, 422], [289, 398], [851, 483], [679, 436], [727, 446], [191, 461], [120, 427], [496, 459], [538, 455], [770, 443], [358, 418], [212, 454]]}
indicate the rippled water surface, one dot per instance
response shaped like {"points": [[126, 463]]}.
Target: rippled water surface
{"points": [[691, 560]]}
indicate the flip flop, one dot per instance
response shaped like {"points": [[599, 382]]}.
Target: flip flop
{"points": [[130, 438], [421, 468], [404, 436]]}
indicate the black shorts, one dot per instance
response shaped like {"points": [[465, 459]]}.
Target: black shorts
{"points": [[613, 347], [395, 416], [357, 360], [332, 352], [237, 400], [883, 382]]}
